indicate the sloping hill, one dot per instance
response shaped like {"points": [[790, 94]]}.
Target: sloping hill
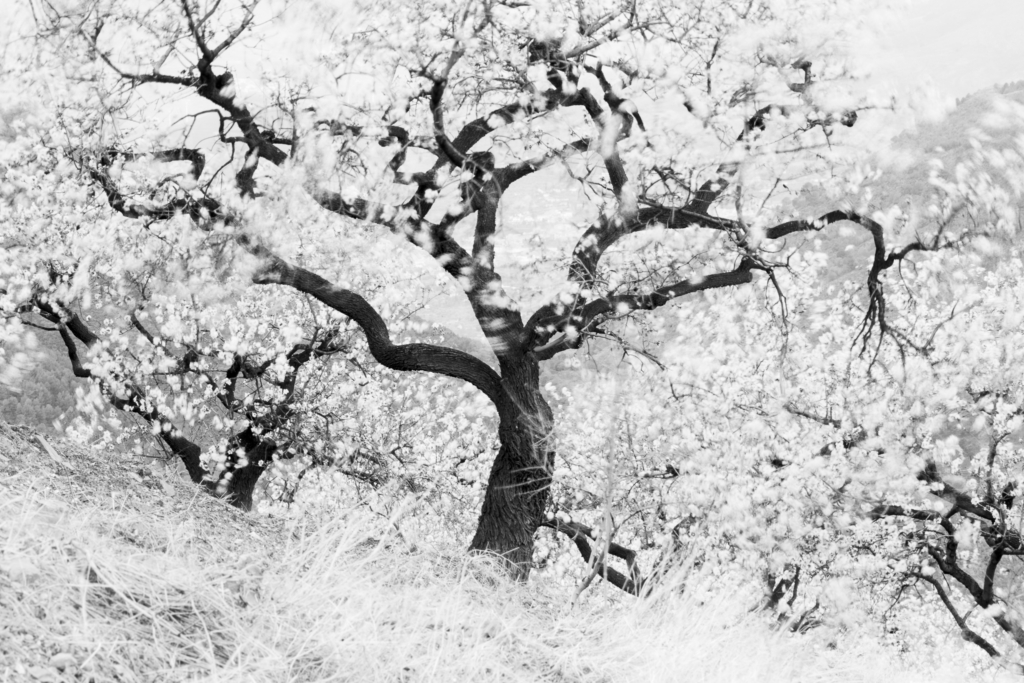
{"points": [[949, 141], [108, 573]]}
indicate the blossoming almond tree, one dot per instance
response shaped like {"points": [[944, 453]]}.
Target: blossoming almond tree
{"points": [[317, 135], [885, 476]]}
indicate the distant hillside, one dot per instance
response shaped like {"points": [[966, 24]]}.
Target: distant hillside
{"points": [[907, 167], [949, 140], [48, 390], [1011, 88]]}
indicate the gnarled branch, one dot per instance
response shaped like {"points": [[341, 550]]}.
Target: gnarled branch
{"points": [[583, 536], [424, 357]]}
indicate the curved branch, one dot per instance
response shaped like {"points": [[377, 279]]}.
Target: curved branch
{"points": [[476, 130], [510, 174], [479, 128], [592, 245], [969, 634], [190, 206], [585, 319], [582, 535], [875, 313], [193, 156], [817, 224], [606, 231], [499, 320], [423, 357], [454, 155]]}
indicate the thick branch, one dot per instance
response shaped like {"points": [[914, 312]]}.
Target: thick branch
{"points": [[500, 321], [77, 368], [513, 172], [987, 592], [423, 357], [626, 303], [880, 511], [606, 231], [477, 129], [548, 323], [583, 536], [455, 156]]}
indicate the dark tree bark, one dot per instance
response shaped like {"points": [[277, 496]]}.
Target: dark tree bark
{"points": [[518, 487], [241, 480]]}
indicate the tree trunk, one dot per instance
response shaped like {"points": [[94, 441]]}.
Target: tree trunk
{"points": [[239, 483], [242, 485], [520, 480]]}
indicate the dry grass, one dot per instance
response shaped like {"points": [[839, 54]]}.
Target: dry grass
{"points": [[108, 579]]}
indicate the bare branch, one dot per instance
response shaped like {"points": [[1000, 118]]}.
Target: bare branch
{"points": [[969, 634], [196, 35], [513, 172], [233, 36], [583, 536]]}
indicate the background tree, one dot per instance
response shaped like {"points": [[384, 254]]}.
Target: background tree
{"points": [[853, 479]]}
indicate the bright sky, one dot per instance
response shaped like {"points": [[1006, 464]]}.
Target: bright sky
{"points": [[960, 45]]}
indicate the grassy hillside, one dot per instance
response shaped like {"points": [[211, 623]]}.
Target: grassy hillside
{"points": [[112, 572], [949, 141]]}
